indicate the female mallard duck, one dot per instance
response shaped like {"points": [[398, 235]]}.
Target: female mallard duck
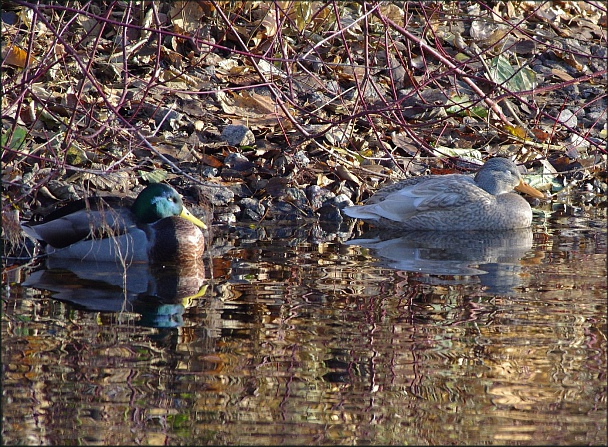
{"points": [[453, 202], [155, 228]]}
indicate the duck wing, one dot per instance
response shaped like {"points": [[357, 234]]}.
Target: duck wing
{"points": [[95, 217], [411, 197]]}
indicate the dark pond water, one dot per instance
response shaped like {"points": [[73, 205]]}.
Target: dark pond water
{"points": [[296, 336]]}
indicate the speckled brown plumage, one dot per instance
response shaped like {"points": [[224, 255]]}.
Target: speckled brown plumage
{"points": [[452, 202]]}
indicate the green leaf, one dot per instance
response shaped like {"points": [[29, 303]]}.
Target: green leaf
{"points": [[464, 107], [545, 179], [17, 139], [515, 79], [76, 156], [478, 111], [155, 176]]}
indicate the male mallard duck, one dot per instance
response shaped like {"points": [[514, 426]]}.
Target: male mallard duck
{"points": [[453, 202], [155, 228]]}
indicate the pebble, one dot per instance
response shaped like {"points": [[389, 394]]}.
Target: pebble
{"points": [[240, 190], [225, 218], [330, 213], [216, 195], [341, 201], [238, 135], [297, 196], [301, 159], [209, 172], [252, 209], [318, 195], [567, 118], [237, 161], [283, 212]]}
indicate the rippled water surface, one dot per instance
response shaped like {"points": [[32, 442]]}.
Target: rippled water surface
{"points": [[296, 336]]}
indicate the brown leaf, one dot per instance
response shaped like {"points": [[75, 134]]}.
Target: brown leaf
{"points": [[246, 104], [540, 134], [570, 59], [15, 56], [253, 109], [212, 161], [187, 15], [270, 23], [345, 174], [561, 74], [405, 142]]}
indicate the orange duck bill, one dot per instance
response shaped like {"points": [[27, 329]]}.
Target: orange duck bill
{"points": [[530, 190]]}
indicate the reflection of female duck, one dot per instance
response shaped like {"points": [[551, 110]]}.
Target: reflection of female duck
{"points": [[453, 202], [155, 228], [439, 252], [493, 256]]}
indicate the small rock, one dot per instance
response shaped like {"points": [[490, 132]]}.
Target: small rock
{"points": [[567, 118], [331, 209], [595, 118], [341, 201], [252, 209], [330, 213], [232, 208], [301, 159], [61, 190], [237, 161], [283, 211], [209, 172], [276, 186], [598, 62], [240, 190], [296, 196], [591, 92], [540, 68], [256, 183], [344, 188], [238, 135], [216, 195], [237, 166], [318, 195], [282, 163]]}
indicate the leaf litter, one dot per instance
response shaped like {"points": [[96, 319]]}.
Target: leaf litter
{"points": [[340, 97]]}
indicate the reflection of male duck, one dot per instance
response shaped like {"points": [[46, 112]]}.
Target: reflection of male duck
{"points": [[452, 202], [495, 256], [158, 294]]}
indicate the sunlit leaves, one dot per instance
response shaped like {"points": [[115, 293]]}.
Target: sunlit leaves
{"points": [[516, 79], [17, 139]]}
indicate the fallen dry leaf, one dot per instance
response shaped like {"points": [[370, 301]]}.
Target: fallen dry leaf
{"points": [[15, 56]]}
